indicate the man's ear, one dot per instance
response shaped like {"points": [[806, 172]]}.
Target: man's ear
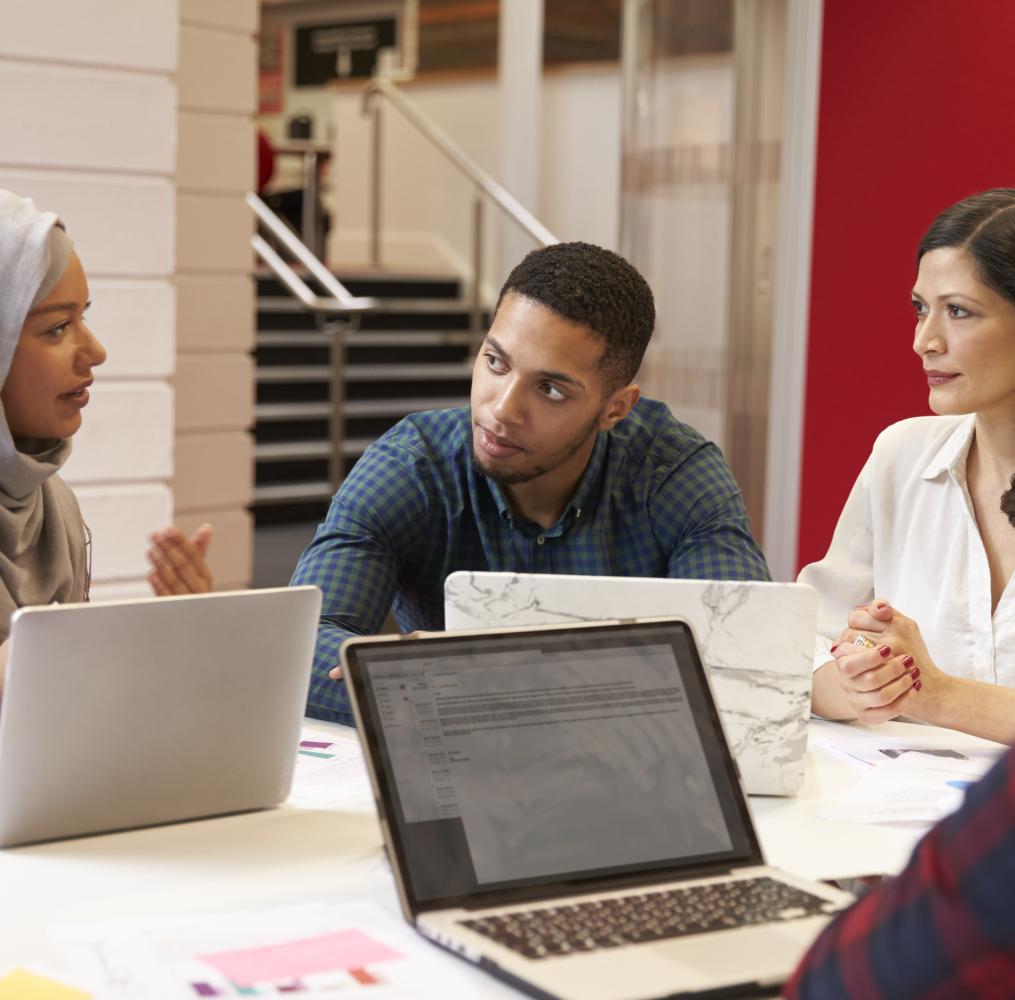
{"points": [[619, 406]]}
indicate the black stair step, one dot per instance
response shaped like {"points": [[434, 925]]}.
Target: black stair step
{"points": [[290, 512], [381, 286], [366, 338], [291, 319], [291, 471], [292, 392], [422, 372], [288, 355], [280, 430], [357, 353], [289, 412], [424, 391]]}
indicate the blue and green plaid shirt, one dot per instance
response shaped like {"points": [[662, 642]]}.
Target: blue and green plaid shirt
{"points": [[656, 499]]}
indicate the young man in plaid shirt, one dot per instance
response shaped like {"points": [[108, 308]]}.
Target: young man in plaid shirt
{"points": [[557, 466]]}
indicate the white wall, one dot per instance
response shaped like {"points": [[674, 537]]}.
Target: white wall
{"points": [[580, 161], [427, 204], [91, 134]]}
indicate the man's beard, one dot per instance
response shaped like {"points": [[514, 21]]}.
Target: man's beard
{"points": [[553, 462]]}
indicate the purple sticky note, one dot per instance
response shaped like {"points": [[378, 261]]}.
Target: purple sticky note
{"points": [[337, 951], [315, 744]]}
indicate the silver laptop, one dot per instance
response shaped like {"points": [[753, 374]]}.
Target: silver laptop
{"points": [[757, 640], [561, 808], [133, 713]]}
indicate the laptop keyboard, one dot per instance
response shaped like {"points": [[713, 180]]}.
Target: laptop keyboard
{"points": [[650, 916]]}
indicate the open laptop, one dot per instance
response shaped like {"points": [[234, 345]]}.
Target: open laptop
{"points": [[561, 808], [757, 640], [132, 713]]}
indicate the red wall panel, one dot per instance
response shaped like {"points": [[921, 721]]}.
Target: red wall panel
{"points": [[916, 110]]}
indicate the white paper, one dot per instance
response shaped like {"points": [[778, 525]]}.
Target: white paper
{"points": [[337, 779], [161, 956], [898, 791], [871, 748]]}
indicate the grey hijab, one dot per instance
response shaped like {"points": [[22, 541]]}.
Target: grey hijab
{"points": [[42, 536]]}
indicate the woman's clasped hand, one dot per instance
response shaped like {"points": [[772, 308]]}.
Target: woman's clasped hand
{"points": [[890, 678]]}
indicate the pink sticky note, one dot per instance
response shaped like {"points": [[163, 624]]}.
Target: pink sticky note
{"points": [[340, 950]]}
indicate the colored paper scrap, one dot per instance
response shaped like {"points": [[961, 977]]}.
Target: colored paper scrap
{"points": [[316, 744], [24, 985], [340, 950]]}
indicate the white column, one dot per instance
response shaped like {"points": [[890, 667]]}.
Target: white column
{"points": [[792, 287], [520, 77], [89, 127], [215, 166]]}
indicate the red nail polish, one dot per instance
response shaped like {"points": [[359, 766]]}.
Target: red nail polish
{"points": [[907, 661], [915, 674], [885, 651], [834, 648], [918, 685]]}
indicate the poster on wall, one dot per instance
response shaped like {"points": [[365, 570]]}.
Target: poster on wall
{"points": [[269, 80], [343, 50]]}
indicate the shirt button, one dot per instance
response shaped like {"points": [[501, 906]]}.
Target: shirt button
{"points": [[540, 539]]}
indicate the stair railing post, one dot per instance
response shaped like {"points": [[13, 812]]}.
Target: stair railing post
{"points": [[308, 222], [336, 396], [375, 183], [476, 305]]}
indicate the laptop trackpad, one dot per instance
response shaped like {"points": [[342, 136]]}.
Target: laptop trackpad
{"points": [[762, 952]]}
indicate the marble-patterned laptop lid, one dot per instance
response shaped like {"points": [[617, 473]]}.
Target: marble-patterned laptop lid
{"points": [[756, 639]]}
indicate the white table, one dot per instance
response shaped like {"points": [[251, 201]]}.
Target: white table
{"points": [[295, 854], [795, 837]]}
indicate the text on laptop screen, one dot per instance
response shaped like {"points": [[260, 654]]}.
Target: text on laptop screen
{"points": [[538, 757]]}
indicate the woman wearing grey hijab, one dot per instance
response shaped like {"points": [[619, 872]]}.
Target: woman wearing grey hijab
{"points": [[47, 354]]}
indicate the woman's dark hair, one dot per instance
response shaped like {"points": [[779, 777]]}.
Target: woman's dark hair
{"points": [[1008, 503], [984, 226]]}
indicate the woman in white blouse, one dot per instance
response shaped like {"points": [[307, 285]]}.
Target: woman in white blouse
{"points": [[923, 525]]}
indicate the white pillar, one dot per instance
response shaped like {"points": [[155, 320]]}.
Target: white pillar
{"points": [[91, 135], [520, 76], [792, 287]]}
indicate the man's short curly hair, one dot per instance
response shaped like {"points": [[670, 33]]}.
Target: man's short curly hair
{"points": [[598, 289]]}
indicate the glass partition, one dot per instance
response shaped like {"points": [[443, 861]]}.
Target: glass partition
{"points": [[702, 127]]}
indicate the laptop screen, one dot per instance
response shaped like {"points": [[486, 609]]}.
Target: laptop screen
{"points": [[544, 758]]}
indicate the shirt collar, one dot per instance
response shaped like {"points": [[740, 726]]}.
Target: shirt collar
{"points": [[951, 456], [589, 482], [583, 495]]}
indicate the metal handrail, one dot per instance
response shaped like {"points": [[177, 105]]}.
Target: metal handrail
{"points": [[491, 188], [484, 186], [340, 300]]}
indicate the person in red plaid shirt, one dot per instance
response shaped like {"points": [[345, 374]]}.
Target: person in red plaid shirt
{"points": [[945, 927]]}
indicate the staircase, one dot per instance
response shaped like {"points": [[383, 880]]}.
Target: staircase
{"points": [[411, 354]]}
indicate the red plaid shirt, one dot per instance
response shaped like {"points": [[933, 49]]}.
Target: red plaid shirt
{"points": [[945, 927]]}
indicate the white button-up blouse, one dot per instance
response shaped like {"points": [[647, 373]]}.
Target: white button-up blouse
{"points": [[908, 535]]}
